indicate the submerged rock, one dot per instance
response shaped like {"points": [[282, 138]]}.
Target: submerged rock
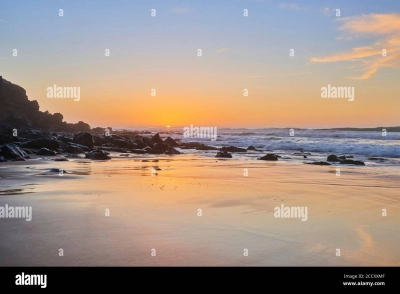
{"points": [[233, 149], [269, 156], [223, 154]]}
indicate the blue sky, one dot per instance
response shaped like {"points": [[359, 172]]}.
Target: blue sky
{"points": [[238, 51]]}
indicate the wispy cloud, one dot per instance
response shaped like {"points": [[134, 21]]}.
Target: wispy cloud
{"points": [[385, 27], [180, 10], [280, 75], [327, 11], [289, 6], [220, 50]]}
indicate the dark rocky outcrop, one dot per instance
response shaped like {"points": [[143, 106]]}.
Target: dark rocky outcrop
{"points": [[42, 143], [45, 151], [171, 142], [251, 148], [18, 112], [161, 146], [85, 139], [269, 156], [223, 154], [5, 139], [97, 155], [11, 152], [333, 158], [157, 139]]}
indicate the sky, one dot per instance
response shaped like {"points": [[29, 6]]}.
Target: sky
{"points": [[239, 52]]}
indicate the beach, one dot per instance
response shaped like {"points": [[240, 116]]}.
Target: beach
{"points": [[193, 210]]}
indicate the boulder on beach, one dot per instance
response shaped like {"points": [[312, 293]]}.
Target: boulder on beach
{"points": [[269, 156], [171, 142], [85, 139], [41, 143], [45, 151], [252, 148], [156, 139], [233, 149], [11, 152], [97, 155], [2, 159], [355, 162], [61, 159], [333, 158], [223, 154]]}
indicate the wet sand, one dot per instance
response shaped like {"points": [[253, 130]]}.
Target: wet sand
{"points": [[161, 212]]}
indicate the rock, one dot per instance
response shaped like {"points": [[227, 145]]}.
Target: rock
{"points": [[11, 151], [61, 159], [171, 151], [223, 154], [120, 143], [85, 139], [64, 139], [161, 146], [148, 141], [318, 163], [97, 155], [5, 139], [2, 159], [27, 151], [376, 158], [156, 139], [342, 157], [41, 143], [233, 149], [333, 158], [171, 142], [269, 156], [75, 148], [305, 156], [355, 162], [252, 148], [45, 151], [139, 145]]}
